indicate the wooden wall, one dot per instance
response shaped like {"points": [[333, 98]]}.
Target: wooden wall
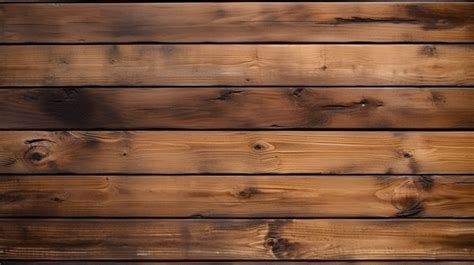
{"points": [[236, 133]]}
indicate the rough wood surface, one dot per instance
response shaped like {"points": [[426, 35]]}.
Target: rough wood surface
{"points": [[239, 65], [236, 239], [236, 108], [239, 263], [237, 22], [237, 196], [181, 152]]}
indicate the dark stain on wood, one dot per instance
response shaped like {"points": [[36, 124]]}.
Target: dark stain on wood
{"points": [[363, 104], [437, 19], [258, 146], [76, 107], [281, 248], [428, 50], [57, 199], [228, 94], [298, 91], [408, 195], [91, 143], [11, 197], [248, 192], [413, 165], [438, 99], [415, 210], [426, 182], [39, 140], [37, 154], [411, 161], [365, 20]]}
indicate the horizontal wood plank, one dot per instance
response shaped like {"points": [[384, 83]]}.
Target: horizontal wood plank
{"points": [[237, 22], [239, 65], [236, 108], [181, 152], [237, 196], [165, 239]]}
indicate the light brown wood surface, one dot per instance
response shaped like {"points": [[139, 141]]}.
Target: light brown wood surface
{"points": [[165, 239], [237, 65], [237, 196], [236, 108], [178, 152], [237, 22]]}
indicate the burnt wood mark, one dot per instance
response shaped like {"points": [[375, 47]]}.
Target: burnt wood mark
{"points": [[246, 108], [237, 22]]}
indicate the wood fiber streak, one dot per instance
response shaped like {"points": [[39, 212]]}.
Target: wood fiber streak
{"points": [[237, 22], [237, 196], [238, 65], [178, 152], [236, 239], [236, 108]]}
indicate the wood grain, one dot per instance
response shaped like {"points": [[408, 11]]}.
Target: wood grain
{"points": [[184, 152], [223, 239], [237, 22], [239, 65], [238, 263], [237, 196], [236, 108]]}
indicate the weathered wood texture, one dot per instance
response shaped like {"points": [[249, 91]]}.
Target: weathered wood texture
{"points": [[239, 263], [194, 65], [236, 152], [236, 108], [237, 196], [237, 22], [68, 239]]}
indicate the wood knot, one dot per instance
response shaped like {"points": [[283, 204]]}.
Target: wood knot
{"points": [[247, 192], [58, 200], [281, 248], [408, 197], [38, 155], [298, 91], [260, 146], [270, 242]]}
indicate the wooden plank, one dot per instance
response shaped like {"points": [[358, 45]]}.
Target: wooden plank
{"points": [[256, 239], [184, 152], [237, 22], [236, 108], [237, 196], [215, 65]]}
